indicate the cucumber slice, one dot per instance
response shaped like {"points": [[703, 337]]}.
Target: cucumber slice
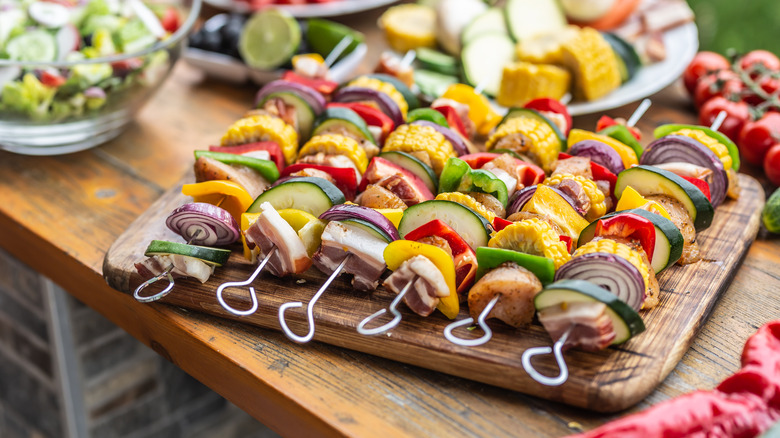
{"points": [[304, 113], [649, 180], [490, 21], [720, 137], [312, 195], [526, 112], [211, 256], [437, 61], [433, 84], [266, 168], [414, 165], [368, 227], [668, 238], [472, 227], [406, 92], [526, 18], [623, 135], [483, 60], [344, 118], [626, 52], [35, 45], [625, 320]]}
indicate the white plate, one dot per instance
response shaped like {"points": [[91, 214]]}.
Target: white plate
{"points": [[681, 43], [332, 9], [231, 69]]}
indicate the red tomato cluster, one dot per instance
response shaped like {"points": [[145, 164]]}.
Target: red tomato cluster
{"points": [[748, 90]]}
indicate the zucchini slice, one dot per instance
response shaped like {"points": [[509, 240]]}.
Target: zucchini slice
{"points": [[208, 255], [626, 52], [472, 227], [625, 320], [483, 60], [649, 180], [720, 137], [437, 61], [303, 111], [345, 118], [527, 112], [668, 238], [312, 195], [414, 165], [526, 18], [492, 20]]}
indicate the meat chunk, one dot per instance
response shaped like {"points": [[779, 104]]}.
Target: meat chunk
{"points": [[330, 160], [463, 113], [207, 169], [391, 64], [577, 194], [399, 183], [277, 107], [369, 147], [592, 331], [573, 166], [270, 232], [366, 254], [316, 173], [508, 164], [183, 266], [733, 189], [517, 287], [681, 219], [519, 144], [428, 284], [490, 202], [375, 196], [438, 242]]}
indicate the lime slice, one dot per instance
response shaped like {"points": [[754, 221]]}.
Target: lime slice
{"points": [[36, 45], [323, 36], [269, 39]]}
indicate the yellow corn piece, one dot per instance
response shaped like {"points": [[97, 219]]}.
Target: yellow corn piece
{"points": [[591, 60], [263, 127], [715, 146], [418, 138], [336, 144], [630, 199], [523, 81], [467, 201], [537, 140], [408, 27], [532, 236], [383, 87], [598, 206], [627, 155], [545, 48]]}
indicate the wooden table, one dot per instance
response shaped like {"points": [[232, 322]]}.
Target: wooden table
{"points": [[60, 215]]}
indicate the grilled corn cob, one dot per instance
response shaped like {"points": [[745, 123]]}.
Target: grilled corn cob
{"points": [[408, 27], [383, 87], [715, 146], [263, 127], [335, 144], [529, 136], [598, 205], [592, 62], [418, 138], [532, 236], [635, 258], [468, 201], [523, 81]]}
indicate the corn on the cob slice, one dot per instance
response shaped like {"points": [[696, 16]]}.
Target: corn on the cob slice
{"points": [[523, 81], [408, 27], [545, 48], [598, 205], [418, 138], [532, 236], [715, 146], [531, 137], [635, 258], [383, 87], [335, 144], [468, 201], [263, 127], [592, 62]]}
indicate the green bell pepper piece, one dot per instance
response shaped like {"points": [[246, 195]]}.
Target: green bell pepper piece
{"points": [[266, 168], [489, 258], [458, 176], [428, 114]]}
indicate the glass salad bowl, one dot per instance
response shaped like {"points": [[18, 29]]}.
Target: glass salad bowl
{"points": [[73, 73]]}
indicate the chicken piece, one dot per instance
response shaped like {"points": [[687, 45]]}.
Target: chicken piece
{"points": [[330, 160], [271, 231], [573, 166], [277, 107], [390, 64], [592, 331], [517, 287], [375, 196], [366, 251], [520, 215], [183, 266], [463, 113], [400, 186], [422, 156], [371, 149], [429, 284], [316, 173], [509, 180], [576, 192], [680, 218], [439, 242], [207, 169], [508, 164], [687, 169], [490, 202]]}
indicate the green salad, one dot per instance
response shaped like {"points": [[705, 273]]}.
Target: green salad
{"points": [[33, 31]]}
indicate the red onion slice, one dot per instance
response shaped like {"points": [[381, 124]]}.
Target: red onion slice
{"points": [[383, 101], [599, 153], [458, 143], [350, 211], [679, 148], [310, 95], [210, 225], [521, 197], [609, 271]]}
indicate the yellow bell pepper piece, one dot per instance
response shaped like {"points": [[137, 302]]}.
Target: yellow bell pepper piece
{"points": [[394, 215], [316, 57], [627, 155], [400, 251], [630, 199], [247, 219], [545, 201], [308, 227], [480, 111], [226, 194]]}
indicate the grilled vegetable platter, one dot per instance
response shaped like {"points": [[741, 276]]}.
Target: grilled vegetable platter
{"points": [[422, 217]]}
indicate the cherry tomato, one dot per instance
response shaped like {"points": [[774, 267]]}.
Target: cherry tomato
{"points": [[702, 64], [722, 83], [772, 164], [757, 137], [737, 114], [768, 59]]}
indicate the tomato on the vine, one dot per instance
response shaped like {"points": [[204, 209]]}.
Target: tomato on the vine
{"points": [[772, 164], [737, 114], [724, 83], [701, 64], [768, 59], [757, 137]]}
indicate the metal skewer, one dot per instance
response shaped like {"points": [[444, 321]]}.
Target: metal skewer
{"points": [[158, 277], [468, 321], [718, 121], [252, 295], [338, 50], [556, 349], [639, 112], [361, 328]]}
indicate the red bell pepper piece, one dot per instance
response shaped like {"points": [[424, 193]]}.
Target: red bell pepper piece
{"points": [[324, 86], [631, 226], [271, 147], [379, 169], [464, 257], [528, 173], [547, 104], [607, 121], [453, 119], [567, 240], [344, 178], [499, 223], [700, 184], [372, 116]]}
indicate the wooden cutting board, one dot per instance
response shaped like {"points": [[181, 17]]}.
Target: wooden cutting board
{"points": [[604, 381]]}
